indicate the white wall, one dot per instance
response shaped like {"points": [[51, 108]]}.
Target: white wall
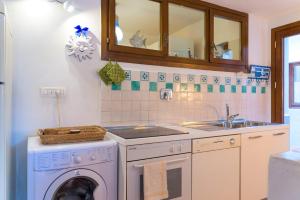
{"points": [[41, 29], [280, 19]]}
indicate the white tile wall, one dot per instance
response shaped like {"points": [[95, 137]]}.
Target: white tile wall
{"points": [[131, 107]]}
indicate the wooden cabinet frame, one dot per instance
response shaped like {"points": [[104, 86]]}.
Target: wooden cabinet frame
{"points": [[119, 48], [111, 51], [244, 37]]}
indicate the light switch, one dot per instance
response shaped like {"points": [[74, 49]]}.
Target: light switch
{"points": [[52, 91]]}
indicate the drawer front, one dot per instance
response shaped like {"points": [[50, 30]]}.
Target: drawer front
{"points": [[144, 151], [216, 143]]}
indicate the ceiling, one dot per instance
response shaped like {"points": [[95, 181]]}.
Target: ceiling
{"points": [[264, 8]]}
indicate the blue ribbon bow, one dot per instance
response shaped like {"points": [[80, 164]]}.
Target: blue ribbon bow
{"points": [[81, 31]]}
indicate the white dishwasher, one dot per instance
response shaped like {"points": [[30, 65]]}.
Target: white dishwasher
{"points": [[216, 168]]}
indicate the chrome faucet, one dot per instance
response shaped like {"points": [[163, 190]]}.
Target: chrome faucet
{"points": [[229, 118]]}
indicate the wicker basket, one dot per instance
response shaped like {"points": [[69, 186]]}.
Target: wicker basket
{"points": [[71, 134]]}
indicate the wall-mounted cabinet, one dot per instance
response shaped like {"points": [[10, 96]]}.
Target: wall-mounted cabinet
{"points": [[179, 33], [228, 38]]}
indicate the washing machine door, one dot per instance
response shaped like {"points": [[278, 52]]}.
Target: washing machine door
{"points": [[80, 184]]}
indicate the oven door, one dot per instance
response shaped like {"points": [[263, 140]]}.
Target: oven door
{"points": [[178, 177]]}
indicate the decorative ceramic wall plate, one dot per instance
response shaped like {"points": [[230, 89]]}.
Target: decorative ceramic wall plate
{"points": [[81, 46]]}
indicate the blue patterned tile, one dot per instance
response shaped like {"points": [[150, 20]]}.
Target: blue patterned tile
{"points": [[222, 89], [176, 78], [191, 78], [227, 80], [197, 87], [144, 76], [135, 85], [249, 81], [169, 86], [153, 86], [253, 89], [238, 81], [233, 89], [244, 89], [161, 77], [203, 79], [258, 82], [210, 88], [128, 75], [263, 90], [216, 80], [116, 87]]}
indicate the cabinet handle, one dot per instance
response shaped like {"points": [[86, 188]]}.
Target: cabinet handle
{"points": [[278, 134], [218, 141], [254, 137]]}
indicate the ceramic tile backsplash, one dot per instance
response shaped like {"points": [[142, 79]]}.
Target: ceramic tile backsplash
{"points": [[195, 98]]}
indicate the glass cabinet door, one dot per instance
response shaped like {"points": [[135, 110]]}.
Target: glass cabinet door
{"points": [[227, 40], [136, 26], [187, 32]]}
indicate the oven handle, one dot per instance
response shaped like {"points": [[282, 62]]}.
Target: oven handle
{"points": [[168, 162]]}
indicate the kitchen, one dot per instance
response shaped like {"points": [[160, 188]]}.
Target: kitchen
{"points": [[41, 30]]}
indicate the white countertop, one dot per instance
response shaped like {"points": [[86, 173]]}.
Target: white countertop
{"points": [[194, 134]]}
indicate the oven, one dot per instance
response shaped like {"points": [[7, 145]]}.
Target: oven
{"points": [[178, 166]]}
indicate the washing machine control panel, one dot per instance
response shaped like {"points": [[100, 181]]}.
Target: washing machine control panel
{"points": [[67, 159]]}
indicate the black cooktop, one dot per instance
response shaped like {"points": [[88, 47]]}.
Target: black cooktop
{"points": [[134, 132]]}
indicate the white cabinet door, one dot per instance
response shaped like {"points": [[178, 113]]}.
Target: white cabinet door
{"points": [[254, 162], [216, 175], [256, 149], [280, 141]]}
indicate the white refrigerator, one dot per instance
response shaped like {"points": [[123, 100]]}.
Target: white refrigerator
{"points": [[5, 102]]}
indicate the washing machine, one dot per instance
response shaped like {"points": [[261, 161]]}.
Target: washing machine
{"points": [[83, 171]]}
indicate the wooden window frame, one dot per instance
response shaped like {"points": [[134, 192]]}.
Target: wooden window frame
{"points": [[277, 75], [292, 103], [110, 51]]}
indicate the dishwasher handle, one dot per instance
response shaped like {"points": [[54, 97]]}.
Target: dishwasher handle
{"points": [[278, 134], [167, 162], [255, 137]]}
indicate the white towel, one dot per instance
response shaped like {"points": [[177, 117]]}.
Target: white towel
{"points": [[155, 181]]}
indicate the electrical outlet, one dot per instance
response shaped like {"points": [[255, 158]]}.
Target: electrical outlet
{"points": [[52, 91]]}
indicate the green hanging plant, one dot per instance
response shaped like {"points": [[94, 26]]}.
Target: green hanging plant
{"points": [[103, 73], [112, 74], [116, 74]]}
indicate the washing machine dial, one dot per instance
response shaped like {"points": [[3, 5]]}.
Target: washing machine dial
{"points": [[93, 157], [77, 159]]}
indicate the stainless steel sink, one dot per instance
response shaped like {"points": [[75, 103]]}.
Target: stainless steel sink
{"points": [[223, 125], [242, 124]]}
